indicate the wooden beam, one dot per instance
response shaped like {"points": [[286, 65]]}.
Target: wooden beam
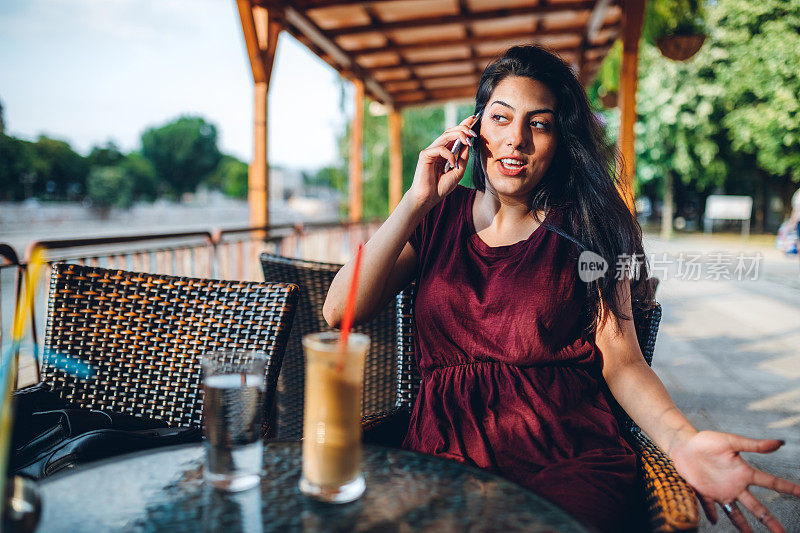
{"points": [[395, 158], [373, 17], [596, 19], [472, 84], [581, 62], [466, 92], [268, 27], [463, 9], [322, 39], [251, 40], [593, 28], [258, 175], [483, 58], [567, 8], [442, 82], [632, 18], [261, 28], [424, 46], [406, 97], [314, 4], [356, 137]]}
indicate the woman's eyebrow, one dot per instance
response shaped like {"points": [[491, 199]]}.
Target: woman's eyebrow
{"points": [[534, 112]]}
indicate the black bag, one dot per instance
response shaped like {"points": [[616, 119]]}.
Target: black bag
{"points": [[50, 436]]}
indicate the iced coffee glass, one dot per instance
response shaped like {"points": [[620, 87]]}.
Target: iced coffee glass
{"points": [[332, 417]]}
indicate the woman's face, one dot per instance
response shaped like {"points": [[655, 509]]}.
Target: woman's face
{"points": [[518, 136]]}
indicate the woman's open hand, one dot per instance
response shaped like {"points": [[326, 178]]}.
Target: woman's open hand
{"points": [[431, 182], [710, 462]]}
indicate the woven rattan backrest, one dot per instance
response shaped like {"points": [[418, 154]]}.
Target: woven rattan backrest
{"points": [[646, 323], [407, 372], [380, 372], [142, 334]]}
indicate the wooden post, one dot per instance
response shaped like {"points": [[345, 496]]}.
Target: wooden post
{"points": [[356, 134], [668, 208], [395, 158], [261, 29], [632, 18], [258, 174]]}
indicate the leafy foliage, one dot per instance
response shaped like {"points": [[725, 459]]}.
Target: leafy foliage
{"points": [[105, 156], [50, 169], [183, 152], [759, 66], [680, 107], [57, 168], [127, 179], [110, 186], [230, 177], [727, 119], [17, 163], [421, 125], [674, 17], [143, 176]]}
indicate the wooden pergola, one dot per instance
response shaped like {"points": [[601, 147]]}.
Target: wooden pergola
{"points": [[411, 52]]}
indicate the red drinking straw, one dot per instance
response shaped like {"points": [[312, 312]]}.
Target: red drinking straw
{"points": [[349, 308]]}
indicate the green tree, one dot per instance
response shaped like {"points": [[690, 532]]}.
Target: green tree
{"points": [[421, 125], [110, 186], [230, 177], [142, 175], [680, 110], [183, 152], [105, 156], [759, 65], [18, 178], [62, 170], [729, 118], [131, 179]]}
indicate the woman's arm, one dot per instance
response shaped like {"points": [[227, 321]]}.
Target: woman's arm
{"points": [[388, 264], [708, 460], [633, 383], [388, 261]]}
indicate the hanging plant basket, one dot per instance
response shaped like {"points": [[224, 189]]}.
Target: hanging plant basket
{"points": [[680, 47], [609, 100]]}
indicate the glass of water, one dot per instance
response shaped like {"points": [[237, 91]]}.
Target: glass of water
{"points": [[233, 409]]}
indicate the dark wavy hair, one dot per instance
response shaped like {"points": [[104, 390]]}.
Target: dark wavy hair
{"points": [[582, 179]]}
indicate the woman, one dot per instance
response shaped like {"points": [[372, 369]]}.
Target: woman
{"points": [[513, 345]]}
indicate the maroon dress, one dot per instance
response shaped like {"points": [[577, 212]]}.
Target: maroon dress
{"points": [[510, 380]]}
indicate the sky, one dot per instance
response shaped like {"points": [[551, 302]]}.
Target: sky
{"points": [[90, 71]]}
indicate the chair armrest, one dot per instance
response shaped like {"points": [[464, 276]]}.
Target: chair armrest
{"points": [[386, 428], [671, 502]]}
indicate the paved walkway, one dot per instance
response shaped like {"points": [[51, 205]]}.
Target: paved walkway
{"points": [[728, 349]]}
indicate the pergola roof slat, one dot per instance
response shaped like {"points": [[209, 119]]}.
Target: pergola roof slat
{"points": [[317, 37], [583, 5], [403, 50]]}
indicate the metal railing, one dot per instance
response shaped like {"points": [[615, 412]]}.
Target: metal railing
{"points": [[10, 287], [222, 253]]}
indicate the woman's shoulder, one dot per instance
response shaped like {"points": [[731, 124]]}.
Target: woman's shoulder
{"points": [[459, 195], [452, 204], [444, 218]]}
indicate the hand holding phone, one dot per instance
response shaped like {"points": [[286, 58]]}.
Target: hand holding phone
{"points": [[456, 149]]}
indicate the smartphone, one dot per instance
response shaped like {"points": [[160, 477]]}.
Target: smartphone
{"points": [[474, 126]]}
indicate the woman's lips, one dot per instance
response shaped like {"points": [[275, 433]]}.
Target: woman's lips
{"points": [[508, 170]]}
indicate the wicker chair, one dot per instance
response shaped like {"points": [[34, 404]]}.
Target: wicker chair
{"points": [[142, 335], [671, 504], [381, 368]]}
